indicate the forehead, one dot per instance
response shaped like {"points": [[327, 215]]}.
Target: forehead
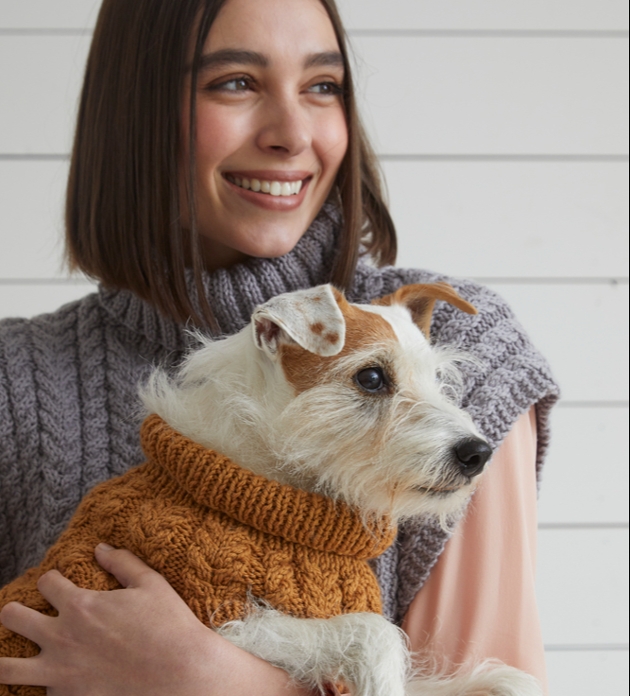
{"points": [[273, 27], [383, 329]]}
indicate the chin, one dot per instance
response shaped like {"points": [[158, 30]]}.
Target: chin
{"points": [[274, 243]]}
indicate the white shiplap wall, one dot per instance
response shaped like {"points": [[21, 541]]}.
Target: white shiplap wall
{"points": [[502, 130]]}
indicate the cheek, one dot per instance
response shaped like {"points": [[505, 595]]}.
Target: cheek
{"points": [[331, 140], [220, 133]]}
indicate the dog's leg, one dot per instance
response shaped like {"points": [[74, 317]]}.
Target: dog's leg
{"points": [[364, 650], [488, 679]]}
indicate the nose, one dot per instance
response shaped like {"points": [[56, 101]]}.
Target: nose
{"points": [[472, 455], [286, 129]]}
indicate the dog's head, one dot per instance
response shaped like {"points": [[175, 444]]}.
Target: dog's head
{"points": [[369, 410]]}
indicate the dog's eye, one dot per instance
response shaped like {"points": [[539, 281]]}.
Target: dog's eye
{"points": [[371, 379]]}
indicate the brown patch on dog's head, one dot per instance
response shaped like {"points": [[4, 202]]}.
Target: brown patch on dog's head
{"points": [[305, 370], [317, 328], [420, 300]]}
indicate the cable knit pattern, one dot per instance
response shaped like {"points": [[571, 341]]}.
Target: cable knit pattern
{"points": [[69, 407], [219, 534]]}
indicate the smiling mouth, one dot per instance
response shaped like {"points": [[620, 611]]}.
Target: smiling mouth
{"points": [[269, 187]]}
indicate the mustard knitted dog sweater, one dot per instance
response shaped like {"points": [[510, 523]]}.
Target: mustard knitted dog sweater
{"points": [[219, 534]]}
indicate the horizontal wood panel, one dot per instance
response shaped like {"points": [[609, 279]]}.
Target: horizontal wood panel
{"points": [[31, 220], [479, 219], [39, 99], [495, 95], [44, 14], [596, 673], [585, 479], [30, 300], [489, 96], [582, 586], [375, 14], [582, 330], [524, 219], [484, 14]]}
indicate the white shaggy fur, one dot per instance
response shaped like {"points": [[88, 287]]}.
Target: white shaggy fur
{"points": [[389, 453]]}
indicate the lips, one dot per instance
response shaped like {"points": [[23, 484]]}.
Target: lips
{"points": [[272, 187]]}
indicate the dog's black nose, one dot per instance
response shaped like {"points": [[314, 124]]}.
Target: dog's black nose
{"points": [[472, 456]]}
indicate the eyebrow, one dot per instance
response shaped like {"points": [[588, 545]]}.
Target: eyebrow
{"points": [[230, 56], [326, 59]]}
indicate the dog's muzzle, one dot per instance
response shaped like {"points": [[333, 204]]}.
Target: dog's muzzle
{"points": [[471, 455]]}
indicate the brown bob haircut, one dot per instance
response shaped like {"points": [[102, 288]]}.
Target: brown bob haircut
{"points": [[123, 198]]}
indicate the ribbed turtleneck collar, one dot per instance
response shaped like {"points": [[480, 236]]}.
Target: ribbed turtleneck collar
{"points": [[216, 482], [233, 293]]}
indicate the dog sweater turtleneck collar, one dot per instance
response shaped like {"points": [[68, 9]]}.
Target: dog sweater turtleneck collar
{"points": [[307, 519], [219, 534], [69, 389]]}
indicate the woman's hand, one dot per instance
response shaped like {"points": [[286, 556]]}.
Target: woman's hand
{"points": [[136, 641]]}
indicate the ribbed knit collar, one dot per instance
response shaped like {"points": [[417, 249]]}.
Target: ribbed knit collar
{"points": [[216, 482], [233, 293]]}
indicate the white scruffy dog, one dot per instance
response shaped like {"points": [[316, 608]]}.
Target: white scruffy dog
{"points": [[350, 401]]}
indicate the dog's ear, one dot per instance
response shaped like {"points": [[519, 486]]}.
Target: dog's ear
{"points": [[420, 300], [310, 318]]}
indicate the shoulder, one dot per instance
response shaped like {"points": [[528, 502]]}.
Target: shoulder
{"points": [[50, 333], [506, 374], [449, 325], [494, 320], [33, 350]]}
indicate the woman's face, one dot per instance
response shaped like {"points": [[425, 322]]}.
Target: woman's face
{"points": [[271, 129]]}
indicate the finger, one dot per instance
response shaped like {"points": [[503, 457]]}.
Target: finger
{"points": [[29, 671], [125, 566], [57, 589], [26, 621]]}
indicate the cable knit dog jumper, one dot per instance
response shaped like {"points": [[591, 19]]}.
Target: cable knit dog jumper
{"points": [[218, 534], [68, 392]]}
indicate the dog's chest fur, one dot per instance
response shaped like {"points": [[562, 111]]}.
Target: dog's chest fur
{"points": [[220, 535]]}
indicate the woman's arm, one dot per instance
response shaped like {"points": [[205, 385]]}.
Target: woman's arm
{"points": [[479, 601], [139, 640]]}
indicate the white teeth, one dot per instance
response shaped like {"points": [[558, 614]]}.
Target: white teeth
{"points": [[274, 188]]}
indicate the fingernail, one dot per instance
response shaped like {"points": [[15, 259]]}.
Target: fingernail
{"points": [[105, 547]]}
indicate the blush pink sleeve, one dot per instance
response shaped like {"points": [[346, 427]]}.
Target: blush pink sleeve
{"points": [[479, 601]]}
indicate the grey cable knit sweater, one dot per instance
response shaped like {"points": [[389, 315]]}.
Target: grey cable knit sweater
{"points": [[69, 412]]}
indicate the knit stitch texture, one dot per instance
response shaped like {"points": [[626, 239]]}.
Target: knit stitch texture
{"points": [[70, 415], [219, 534]]}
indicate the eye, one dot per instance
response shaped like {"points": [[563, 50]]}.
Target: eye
{"points": [[326, 89], [372, 379], [236, 84]]}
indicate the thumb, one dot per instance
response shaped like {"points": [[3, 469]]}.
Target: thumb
{"points": [[125, 566]]}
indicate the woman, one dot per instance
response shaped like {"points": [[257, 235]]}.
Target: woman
{"points": [[219, 161]]}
